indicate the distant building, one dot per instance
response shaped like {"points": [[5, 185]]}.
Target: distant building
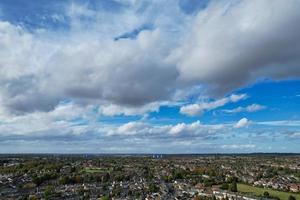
{"points": [[157, 156]]}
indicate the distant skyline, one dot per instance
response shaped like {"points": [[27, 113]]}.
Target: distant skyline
{"points": [[139, 76]]}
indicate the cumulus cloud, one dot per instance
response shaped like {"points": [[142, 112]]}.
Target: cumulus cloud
{"points": [[195, 128], [182, 130], [132, 128], [38, 71], [131, 59], [234, 43], [199, 108], [66, 121], [244, 122], [39, 68], [73, 122]]}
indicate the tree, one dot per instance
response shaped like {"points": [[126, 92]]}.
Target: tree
{"points": [[106, 178], [64, 180], [225, 186], [153, 188], [105, 198], [37, 180], [266, 194], [49, 191], [291, 197], [233, 186]]}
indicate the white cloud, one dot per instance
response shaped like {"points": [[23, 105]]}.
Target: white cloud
{"points": [[237, 97], [220, 49], [280, 123], [132, 128], [199, 108], [295, 135], [195, 129], [191, 110], [254, 108], [40, 68], [114, 110], [126, 110], [244, 122], [54, 123], [74, 122], [250, 108], [232, 44]]}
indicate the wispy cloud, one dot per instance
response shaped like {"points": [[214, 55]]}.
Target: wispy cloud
{"points": [[250, 108], [280, 123], [199, 108], [238, 146]]}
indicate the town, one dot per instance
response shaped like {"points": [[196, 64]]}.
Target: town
{"points": [[207, 177]]}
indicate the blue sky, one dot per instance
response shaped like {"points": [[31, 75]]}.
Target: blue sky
{"points": [[183, 76]]}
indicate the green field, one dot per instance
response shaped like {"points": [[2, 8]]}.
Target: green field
{"points": [[94, 170], [259, 191]]}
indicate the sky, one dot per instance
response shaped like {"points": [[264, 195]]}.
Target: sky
{"points": [[140, 76]]}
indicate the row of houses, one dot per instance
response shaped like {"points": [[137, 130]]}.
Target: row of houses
{"points": [[221, 194], [293, 187]]}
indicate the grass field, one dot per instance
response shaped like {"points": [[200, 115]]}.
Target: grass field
{"points": [[94, 170], [259, 191]]}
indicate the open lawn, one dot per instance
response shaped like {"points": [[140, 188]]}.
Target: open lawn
{"points": [[259, 191], [94, 170]]}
